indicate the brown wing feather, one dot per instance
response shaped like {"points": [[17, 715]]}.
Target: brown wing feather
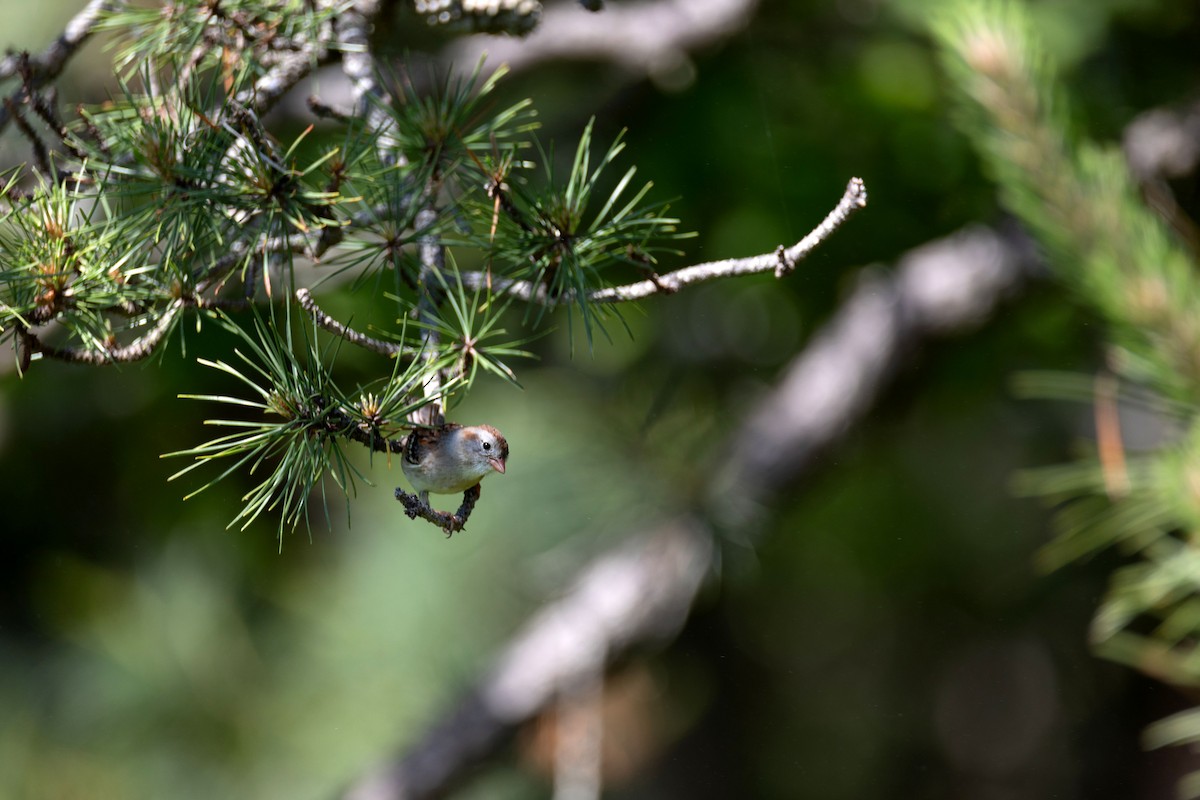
{"points": [[423, 438]]}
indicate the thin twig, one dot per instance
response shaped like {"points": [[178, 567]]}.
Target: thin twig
{"points": [[141, 348], [340, 422], [40, 154], [305, 299], [780, 262]]}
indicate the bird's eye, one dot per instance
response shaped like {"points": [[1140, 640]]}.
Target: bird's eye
{"points": [[487, 445]]}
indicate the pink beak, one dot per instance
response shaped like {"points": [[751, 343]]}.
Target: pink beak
{"points": [[497, 465]]}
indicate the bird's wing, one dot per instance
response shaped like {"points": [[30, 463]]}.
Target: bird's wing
{"points": [[421, 439]]}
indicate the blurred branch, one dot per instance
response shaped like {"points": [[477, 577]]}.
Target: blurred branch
{"points": [[289, 71], [781, 262], [1161, 145], [641, 592], [650, 37], [46, 67], [360, 67], [943, 287], [358, 63]]}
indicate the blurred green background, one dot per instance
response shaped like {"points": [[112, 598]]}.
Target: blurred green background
{"points": [[888, 637]]}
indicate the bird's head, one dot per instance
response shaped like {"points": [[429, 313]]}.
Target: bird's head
{"points": [[486, 446]]}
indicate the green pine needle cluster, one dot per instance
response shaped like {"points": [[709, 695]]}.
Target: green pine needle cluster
{"points": [[1079, 200], [214, 34]]}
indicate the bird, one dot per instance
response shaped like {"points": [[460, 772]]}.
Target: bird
{"points": [[452, 458]]}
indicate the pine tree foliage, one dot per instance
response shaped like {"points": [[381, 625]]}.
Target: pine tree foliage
{"points": [[173, 206], [1080, 201], [174, 200]]}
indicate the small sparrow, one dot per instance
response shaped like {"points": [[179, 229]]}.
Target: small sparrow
{"points": [[452, 458]]}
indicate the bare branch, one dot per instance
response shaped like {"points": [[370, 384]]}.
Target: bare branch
{"points": [[136, 350], [516, 17], [40, 154], [780, 262], [641, 592], [390, 349], [290, 70], [358, 64]]}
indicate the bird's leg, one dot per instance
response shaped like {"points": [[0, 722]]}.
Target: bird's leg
{"points": [[470, 497]]}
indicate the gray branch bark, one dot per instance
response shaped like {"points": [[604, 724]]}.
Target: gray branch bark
{"points": [[652, 37], [781, 263]]}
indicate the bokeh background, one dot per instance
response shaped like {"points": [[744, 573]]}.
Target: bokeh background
{"points": [[887, 637]]}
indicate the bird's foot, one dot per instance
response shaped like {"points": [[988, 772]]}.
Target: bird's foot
{"points": [[417, 506]]}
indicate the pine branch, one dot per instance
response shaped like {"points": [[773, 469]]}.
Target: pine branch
{"points": [[136, 350], [781, 263], [1080, 200], [1076, 197], [191, 139]]}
